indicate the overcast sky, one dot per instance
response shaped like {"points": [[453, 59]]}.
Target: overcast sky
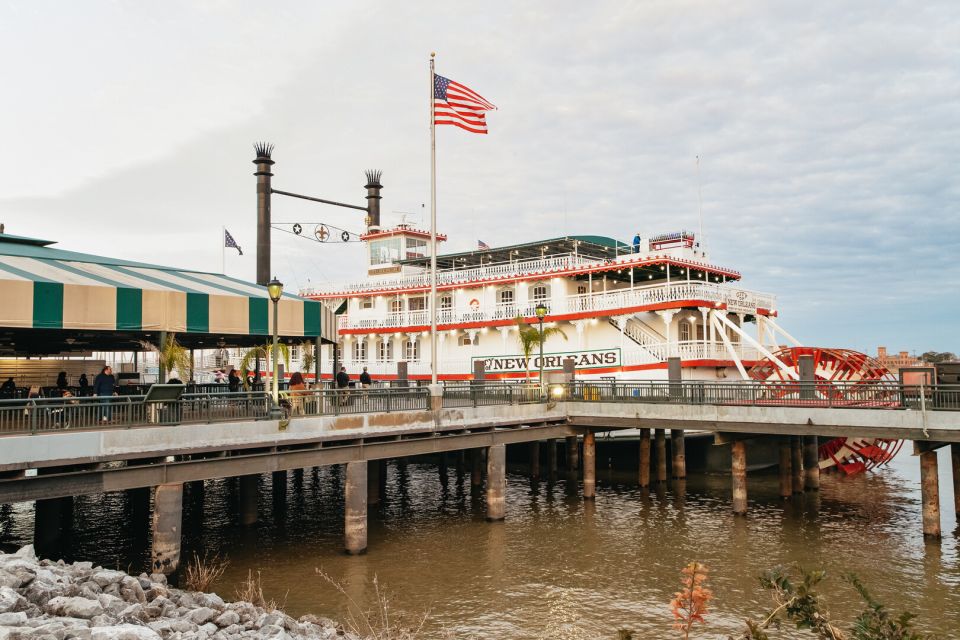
{"points": [[829, 137]]}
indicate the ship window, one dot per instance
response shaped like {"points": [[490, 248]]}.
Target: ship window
{"points": [[506, 296], [294, 353], [386, 350], [581, 289], [411, 350], [446, 303], [360, 350], [539, 292], [416, 248], [466, 341], [396, 306], [366, 303], [385, 251], [417, 304], [684, 331]]}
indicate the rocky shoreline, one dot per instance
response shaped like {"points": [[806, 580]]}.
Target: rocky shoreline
{"points": [[46, 600]]}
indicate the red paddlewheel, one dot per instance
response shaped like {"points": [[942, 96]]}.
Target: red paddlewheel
{"points": [[844, 378]]}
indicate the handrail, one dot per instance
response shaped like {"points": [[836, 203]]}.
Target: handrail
{"points": [[715, 294], [39, 415]]}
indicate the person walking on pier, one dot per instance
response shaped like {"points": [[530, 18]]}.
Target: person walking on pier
{"points": [[105, 387], [62, 382], [84, 384], [365, 380]]}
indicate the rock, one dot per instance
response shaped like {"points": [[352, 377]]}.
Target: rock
{"points": [[124, 632], [78, 633], [144, 581], [10, 600], [232, 630], [111, 604], [105, 577], [273, 631], [211, 600], [227, 618], [183, 626], [82, 566], [27, 553], [209, 628], [8, 579], [202, 615], [159, 578], [13, 619], [269, 620], [74, 607], [134, 613]]}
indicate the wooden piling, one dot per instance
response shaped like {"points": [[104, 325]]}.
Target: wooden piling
{"points": [[786, 469], [678, 450], [644, 457], [355, 508], [373, 482], [955, 457], [552, 458], [930, 494], [496, 481], [535, 459], [811, 463], [249, 499], [476, 468], [589, 466], [660, 441], [167, 528], [739, 473], [796, 462], [573, 453]]}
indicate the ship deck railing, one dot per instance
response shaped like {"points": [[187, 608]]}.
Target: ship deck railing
{"points": [[734, 299]]}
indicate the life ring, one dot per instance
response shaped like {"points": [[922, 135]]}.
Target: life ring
{"points": [[474, 305]]}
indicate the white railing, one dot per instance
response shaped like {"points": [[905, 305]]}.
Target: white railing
{"points": [[457, 276], [631, 356], [744, 301]]}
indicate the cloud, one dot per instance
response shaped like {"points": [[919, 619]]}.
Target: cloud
{"points": [[828, 138]]}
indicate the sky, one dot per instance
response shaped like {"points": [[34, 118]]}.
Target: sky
{"points": [[828, 135]]}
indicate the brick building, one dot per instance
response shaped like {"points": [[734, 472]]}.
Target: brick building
{"points": [[894, 362]]}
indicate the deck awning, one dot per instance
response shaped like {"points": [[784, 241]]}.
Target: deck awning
{"points": [[43, 288]]}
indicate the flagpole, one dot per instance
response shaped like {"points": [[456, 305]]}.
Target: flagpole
{"points": [[223, 250], [433, 230]]}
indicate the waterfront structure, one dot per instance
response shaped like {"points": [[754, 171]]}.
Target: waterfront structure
{"points": [[895, 362], [624, 309], [66, 304]]}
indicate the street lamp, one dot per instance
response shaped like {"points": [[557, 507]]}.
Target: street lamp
{"points": [[541, 311], [275, 289]]}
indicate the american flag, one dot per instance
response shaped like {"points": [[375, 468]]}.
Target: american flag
{"points": [[482, 246], [458, 105], [230, 243]]}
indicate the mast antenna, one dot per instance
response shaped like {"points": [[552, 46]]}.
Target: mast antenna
{"points": [[703, 246]]}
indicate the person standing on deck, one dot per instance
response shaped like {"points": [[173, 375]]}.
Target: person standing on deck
{"points": [[105, 387]]}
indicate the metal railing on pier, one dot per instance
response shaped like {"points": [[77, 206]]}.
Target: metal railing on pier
{"points": [[329, 402], [479, 394], [835, 395], [38, 415]]}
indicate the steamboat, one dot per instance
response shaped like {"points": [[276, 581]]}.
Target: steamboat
{"points": [[619, 310]]}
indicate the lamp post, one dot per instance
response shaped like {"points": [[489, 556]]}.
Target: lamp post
{"points": [[275, 289], [541, 311]]}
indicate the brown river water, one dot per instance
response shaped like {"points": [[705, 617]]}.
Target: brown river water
{"points": [[558, 567]]}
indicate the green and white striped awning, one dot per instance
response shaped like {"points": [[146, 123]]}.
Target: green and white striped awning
{"points": [[46, 288]]}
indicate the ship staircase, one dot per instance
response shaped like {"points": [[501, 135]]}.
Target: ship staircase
{"points": [[650, 341]]}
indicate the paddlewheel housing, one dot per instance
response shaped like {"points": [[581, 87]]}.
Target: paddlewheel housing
{"points": [[842, 378]]}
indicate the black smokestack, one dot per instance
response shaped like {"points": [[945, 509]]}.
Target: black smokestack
{"points": [[263, 173], [373, 187]]}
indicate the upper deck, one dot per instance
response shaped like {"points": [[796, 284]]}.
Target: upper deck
{"points": [[646, 267]]}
